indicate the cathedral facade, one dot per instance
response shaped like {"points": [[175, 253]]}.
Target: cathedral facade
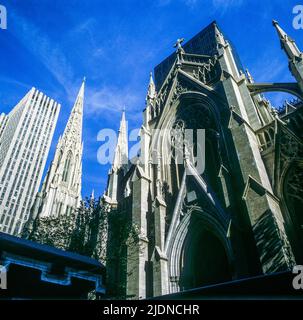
{"points": [[238, 218]]}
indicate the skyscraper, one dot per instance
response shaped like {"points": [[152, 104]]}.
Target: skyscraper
{"points": [[3, 121], [25, 138], [61, 189]]}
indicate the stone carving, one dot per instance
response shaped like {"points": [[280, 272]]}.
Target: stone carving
{"points": [[206, 72], [178, 45], [290, 147], [179, 90]]}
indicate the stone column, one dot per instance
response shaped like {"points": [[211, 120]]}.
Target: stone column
{"points": [[160, 272], [137, 253]]}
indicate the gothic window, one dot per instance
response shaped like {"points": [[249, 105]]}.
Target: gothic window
{"points": [[67, 167], [196, 115], [178, 151], [59, 208], [75, 171], [60, 157]]}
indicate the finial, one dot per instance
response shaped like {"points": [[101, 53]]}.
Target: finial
{"points": [[84, 79], [178, 45], [151, 92], [249, 77], [92, 196], [274, 22], [288, 44], [151, 78]]}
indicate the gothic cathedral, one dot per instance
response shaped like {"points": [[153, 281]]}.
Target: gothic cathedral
{"points": [[238, 218]]}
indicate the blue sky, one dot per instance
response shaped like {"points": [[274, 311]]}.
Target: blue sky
{"points": [[51, 45]]}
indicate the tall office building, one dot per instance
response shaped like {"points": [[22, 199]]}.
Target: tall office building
{"points": [[25, 138], [3, 121]]}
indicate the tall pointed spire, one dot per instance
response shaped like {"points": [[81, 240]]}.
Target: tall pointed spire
{"points": [[74, 123], [151, 93], [287, 43], [294, 55], [150, 100], [121, 153], [61, 190], [92, 196], [120, 161]]}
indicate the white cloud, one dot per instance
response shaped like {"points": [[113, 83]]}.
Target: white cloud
{"points": [[270, 69], [224, 4], [277, 99], [188, 3], [216, 3], [162, 3], [46, 52], [110, 99]]}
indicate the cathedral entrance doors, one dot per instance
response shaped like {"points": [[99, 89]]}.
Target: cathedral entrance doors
{"points": [[203, 257], [204, 261]]}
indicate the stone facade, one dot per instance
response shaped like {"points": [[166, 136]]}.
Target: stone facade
{"points": [[240, 217]]}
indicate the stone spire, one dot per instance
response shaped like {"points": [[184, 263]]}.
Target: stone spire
{"points": [[74, 124], [120, 161], [121, 152], [150, 101], [151, 93], [287, 43], [92, 196], [61, 189], [293, 53]]}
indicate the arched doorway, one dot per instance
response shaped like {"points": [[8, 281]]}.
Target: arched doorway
{"points": [[200, 253], [204, 261]]}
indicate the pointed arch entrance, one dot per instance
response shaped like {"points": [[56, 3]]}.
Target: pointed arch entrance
{"points": [[204, 260], [200, 253]]}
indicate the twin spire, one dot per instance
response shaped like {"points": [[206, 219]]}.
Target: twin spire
{"points": [[80, 98], [121, 152], [61, 190], [74, 124]]}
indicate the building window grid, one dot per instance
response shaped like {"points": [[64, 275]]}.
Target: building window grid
{"points": [[37, 128]]}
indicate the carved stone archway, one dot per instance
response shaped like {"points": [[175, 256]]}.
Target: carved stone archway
{"points": [[193, 226]]}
